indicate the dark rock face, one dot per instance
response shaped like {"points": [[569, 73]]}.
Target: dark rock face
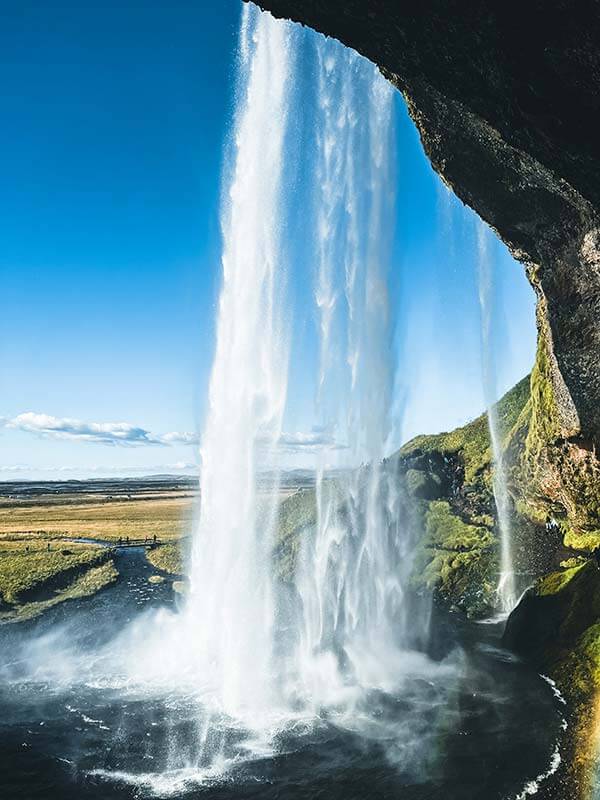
{"points": [[506, 97]]}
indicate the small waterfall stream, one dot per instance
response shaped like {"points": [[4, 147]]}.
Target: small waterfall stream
{"points": [[507, 595]]}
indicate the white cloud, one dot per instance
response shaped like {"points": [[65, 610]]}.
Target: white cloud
{"points": [[120, 434], [184, 467], [315, 440], [178, 437]]}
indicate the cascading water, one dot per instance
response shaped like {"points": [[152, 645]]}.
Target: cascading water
{"points": [[230, 612], [351, 572], [506, 589]]}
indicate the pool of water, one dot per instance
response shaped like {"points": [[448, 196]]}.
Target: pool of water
{"points": [[469, 722]]}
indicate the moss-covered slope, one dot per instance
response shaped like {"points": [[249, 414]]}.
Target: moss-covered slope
{"points": [[457, 554]]}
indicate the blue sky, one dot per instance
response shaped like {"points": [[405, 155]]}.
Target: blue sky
{"points": [[114, 121]]}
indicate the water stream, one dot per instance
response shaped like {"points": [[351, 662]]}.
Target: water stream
{"points": [[506, 589]]}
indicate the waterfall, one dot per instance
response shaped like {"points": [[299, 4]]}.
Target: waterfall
{"points": [[506, 589], [230, 612], [349, 611], [350, 577]]}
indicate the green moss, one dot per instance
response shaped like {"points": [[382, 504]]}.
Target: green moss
{"points": [[445, 530], [423, 485], [472, 441], [575, 561], [544, 426], [556, 581], [580, 669], [456, 560], [297, 512], [582, 540]]}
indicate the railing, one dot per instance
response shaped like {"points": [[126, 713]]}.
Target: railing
{"points": [[128, 542]]}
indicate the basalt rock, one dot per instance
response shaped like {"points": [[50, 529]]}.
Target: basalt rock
{"points": [[557, 627], [506, 97]]}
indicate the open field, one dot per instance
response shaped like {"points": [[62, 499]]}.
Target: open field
{"points": [[165, 518], [41, 565]]}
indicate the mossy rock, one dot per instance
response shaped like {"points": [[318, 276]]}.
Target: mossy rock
{"points": [[582, 540], [557, 626], [296, 516], [423, 485], [456, 560], [447, 531], [549, 619], [472, 441]]}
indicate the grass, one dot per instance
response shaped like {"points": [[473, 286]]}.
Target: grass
{"points": [[166, 518], [85, 585], [167, 557], [472, 441], [22, 571]]}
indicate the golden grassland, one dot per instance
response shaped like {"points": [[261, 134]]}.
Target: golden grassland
{"points": [[165, 518], [40, 566]]}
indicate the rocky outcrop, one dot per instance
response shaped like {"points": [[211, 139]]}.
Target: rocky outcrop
{"points": [[557, 627], [506, 98]]}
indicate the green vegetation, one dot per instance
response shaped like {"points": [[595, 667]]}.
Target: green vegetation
{"points": [[472, 441], [457, 555], [297, 512], [557, 581], [72, 569], [456, 560], [582, 540], [448, 532], [422, 485], [27, 566], [544, 427], [91, 582], [167, 557]]}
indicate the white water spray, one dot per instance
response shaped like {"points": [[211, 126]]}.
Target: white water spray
{"points": [[506, 589], [351, 570], [230, 614]]}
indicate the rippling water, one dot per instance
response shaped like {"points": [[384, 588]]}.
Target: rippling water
{"points": [[478, 725]]}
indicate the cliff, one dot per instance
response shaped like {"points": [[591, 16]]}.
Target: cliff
{"points": [[506, 98]]}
